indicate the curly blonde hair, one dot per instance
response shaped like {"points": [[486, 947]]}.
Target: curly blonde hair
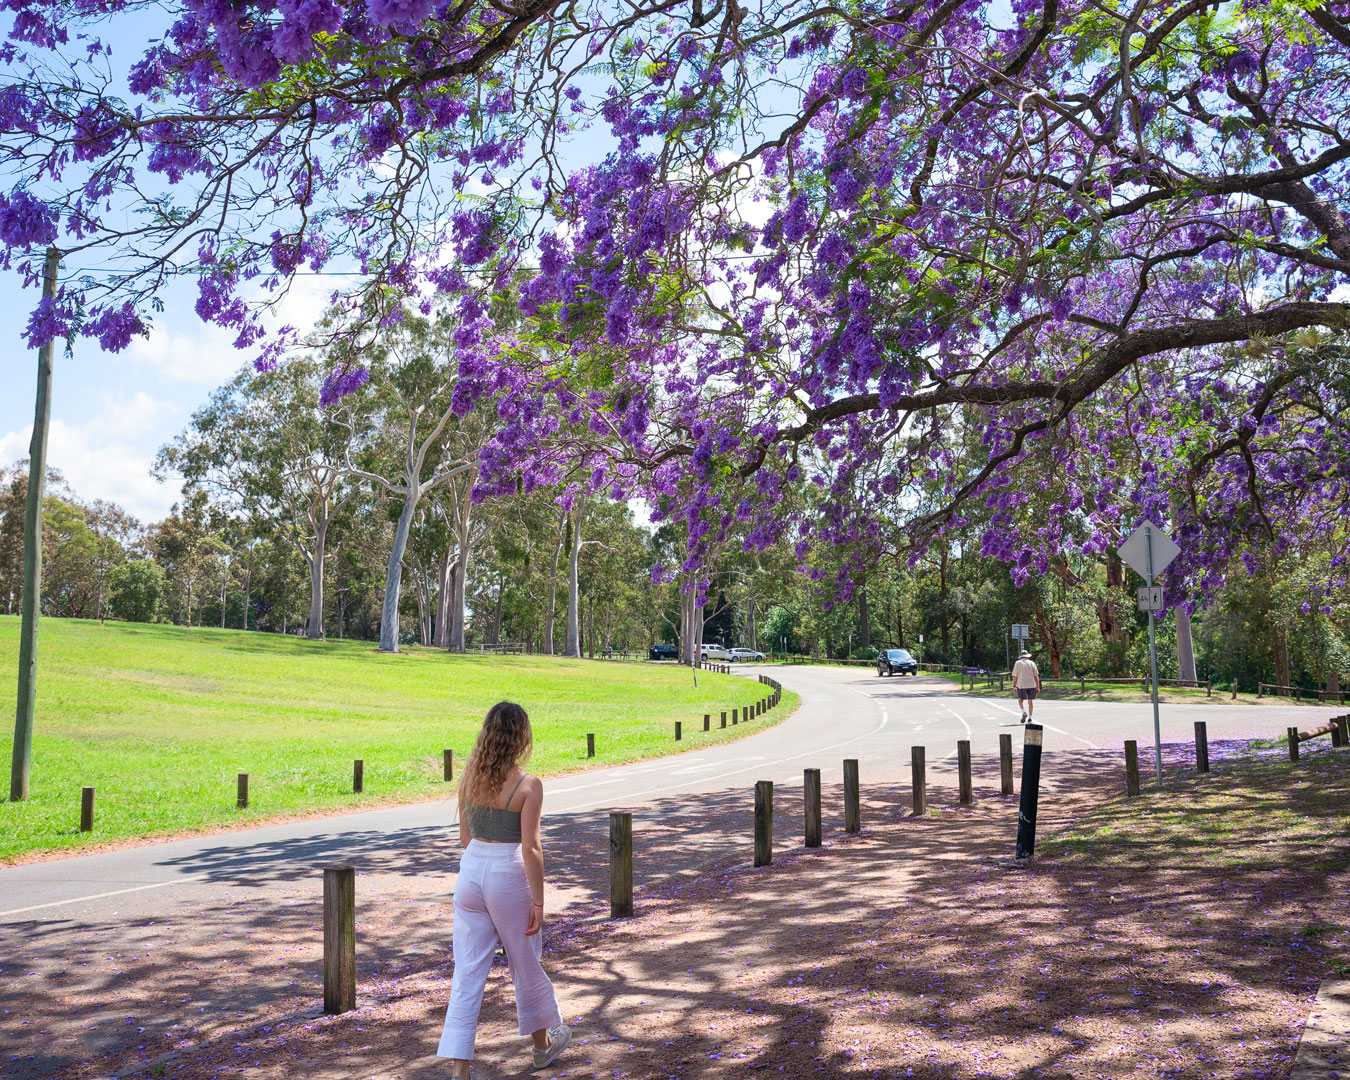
{"points": [[504, 740]]}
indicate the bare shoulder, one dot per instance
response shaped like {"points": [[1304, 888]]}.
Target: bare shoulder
{"points": [[533, 787]]}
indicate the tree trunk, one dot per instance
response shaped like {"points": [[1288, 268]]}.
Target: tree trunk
{"points": [[314, 629], [459, 583], [248, 593], [572, 647], [342, 611], [497, 615], [864, 622], [1185, 647], [944, 625], [750, 629], [1280, 647], [393, 575], [463, 541], [224, 595], [550, 611], [590, 630], [444, 596]]}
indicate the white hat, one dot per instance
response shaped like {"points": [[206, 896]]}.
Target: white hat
{"points": [[1022, 654]]}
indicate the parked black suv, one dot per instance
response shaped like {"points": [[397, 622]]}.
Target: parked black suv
{"points": [[893, 661], [663, 652]]}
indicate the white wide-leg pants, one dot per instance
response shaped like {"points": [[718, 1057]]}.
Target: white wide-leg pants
{"points": [[492, 906]]}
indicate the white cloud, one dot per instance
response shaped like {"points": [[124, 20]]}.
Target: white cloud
{"points": [[184, 349], [110, 455]]}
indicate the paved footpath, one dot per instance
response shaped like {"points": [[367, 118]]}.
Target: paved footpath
{"points": [[189, 938]]}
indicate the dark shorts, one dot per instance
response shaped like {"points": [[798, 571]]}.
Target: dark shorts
{"points": [[1027, 695]]}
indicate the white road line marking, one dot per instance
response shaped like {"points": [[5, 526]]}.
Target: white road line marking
{"points": [[98, 896]]}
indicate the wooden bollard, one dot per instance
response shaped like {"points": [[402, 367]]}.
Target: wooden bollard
{"points": [[1293, 743], [448, 761], [967, 789], [707, 721], [852, 804], [358, 776], [724, 718], [1005, 772], [590, 746], [811, 799], [763, 822], [734, 714], [620, 864], [339, 939], [241, 788], [86, 809], [1031, 790], [677, 730], [918, 779], [1201, 747], [1131, 767]]}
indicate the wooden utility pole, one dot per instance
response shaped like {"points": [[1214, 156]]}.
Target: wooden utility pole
{"points": [[32, 555]]}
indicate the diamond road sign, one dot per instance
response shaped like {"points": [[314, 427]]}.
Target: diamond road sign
{"points": [[1135, 551]]}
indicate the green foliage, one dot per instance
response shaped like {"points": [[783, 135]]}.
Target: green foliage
{"points": [[138, 589]]}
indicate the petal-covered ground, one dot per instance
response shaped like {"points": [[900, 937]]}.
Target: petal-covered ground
{"points": [[1182, 934]]}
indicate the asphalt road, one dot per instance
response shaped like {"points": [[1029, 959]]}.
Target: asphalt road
{"points": [[101, 950]]}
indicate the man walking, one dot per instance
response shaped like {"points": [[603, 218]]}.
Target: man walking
{"points": [[1027, 683]]}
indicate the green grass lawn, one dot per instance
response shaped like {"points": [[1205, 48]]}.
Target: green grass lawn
{"points": [[1100, 691], [161, 719], [1256, 813]]}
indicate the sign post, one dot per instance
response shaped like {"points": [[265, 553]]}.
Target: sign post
{"points": [[1148, 552]]}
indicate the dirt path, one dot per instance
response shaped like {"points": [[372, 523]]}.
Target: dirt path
{"points": [[911, 949]]}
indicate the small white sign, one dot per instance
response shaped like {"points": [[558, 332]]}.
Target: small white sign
{"points": [[1150, 598], [920, 639], [1135, 551], [1021, 631]]}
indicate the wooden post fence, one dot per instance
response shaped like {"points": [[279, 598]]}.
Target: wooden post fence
{"points": [[358, 776], [339, 939], [1005, 764], [1131, 767], [763, 822], [1031, 790], [241, 789], [677, 730], [448, 760], [87, 809], [852, 803], [967, 789], [1293, 743], [1201, 747], [620, 864], [590, 746], [918, 779], [811, 800]]}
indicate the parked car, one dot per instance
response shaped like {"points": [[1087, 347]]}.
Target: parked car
{"points": [[663, 652], [896, 661], [713, 652], [746, 655]]}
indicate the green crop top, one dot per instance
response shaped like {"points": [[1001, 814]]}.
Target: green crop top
{"points": [[493, 823]]}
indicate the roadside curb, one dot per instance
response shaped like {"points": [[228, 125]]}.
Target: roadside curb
{"points": [[1324, 1050]]}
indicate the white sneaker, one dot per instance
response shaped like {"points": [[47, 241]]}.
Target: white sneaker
{"points": [[558, 1038]]}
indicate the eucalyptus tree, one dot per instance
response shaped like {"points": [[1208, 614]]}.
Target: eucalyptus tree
{"points": [[268, 453]]}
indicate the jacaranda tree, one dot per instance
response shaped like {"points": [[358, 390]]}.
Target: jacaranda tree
{"points": [[926, 256]]}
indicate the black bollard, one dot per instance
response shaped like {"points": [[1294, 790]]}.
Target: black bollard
{"points": [[1031, 786]]}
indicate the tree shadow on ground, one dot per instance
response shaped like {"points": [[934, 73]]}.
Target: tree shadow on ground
{"points": [[915, 945]]}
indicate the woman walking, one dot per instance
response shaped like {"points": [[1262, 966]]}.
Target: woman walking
{"points": [[500, 894]]}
